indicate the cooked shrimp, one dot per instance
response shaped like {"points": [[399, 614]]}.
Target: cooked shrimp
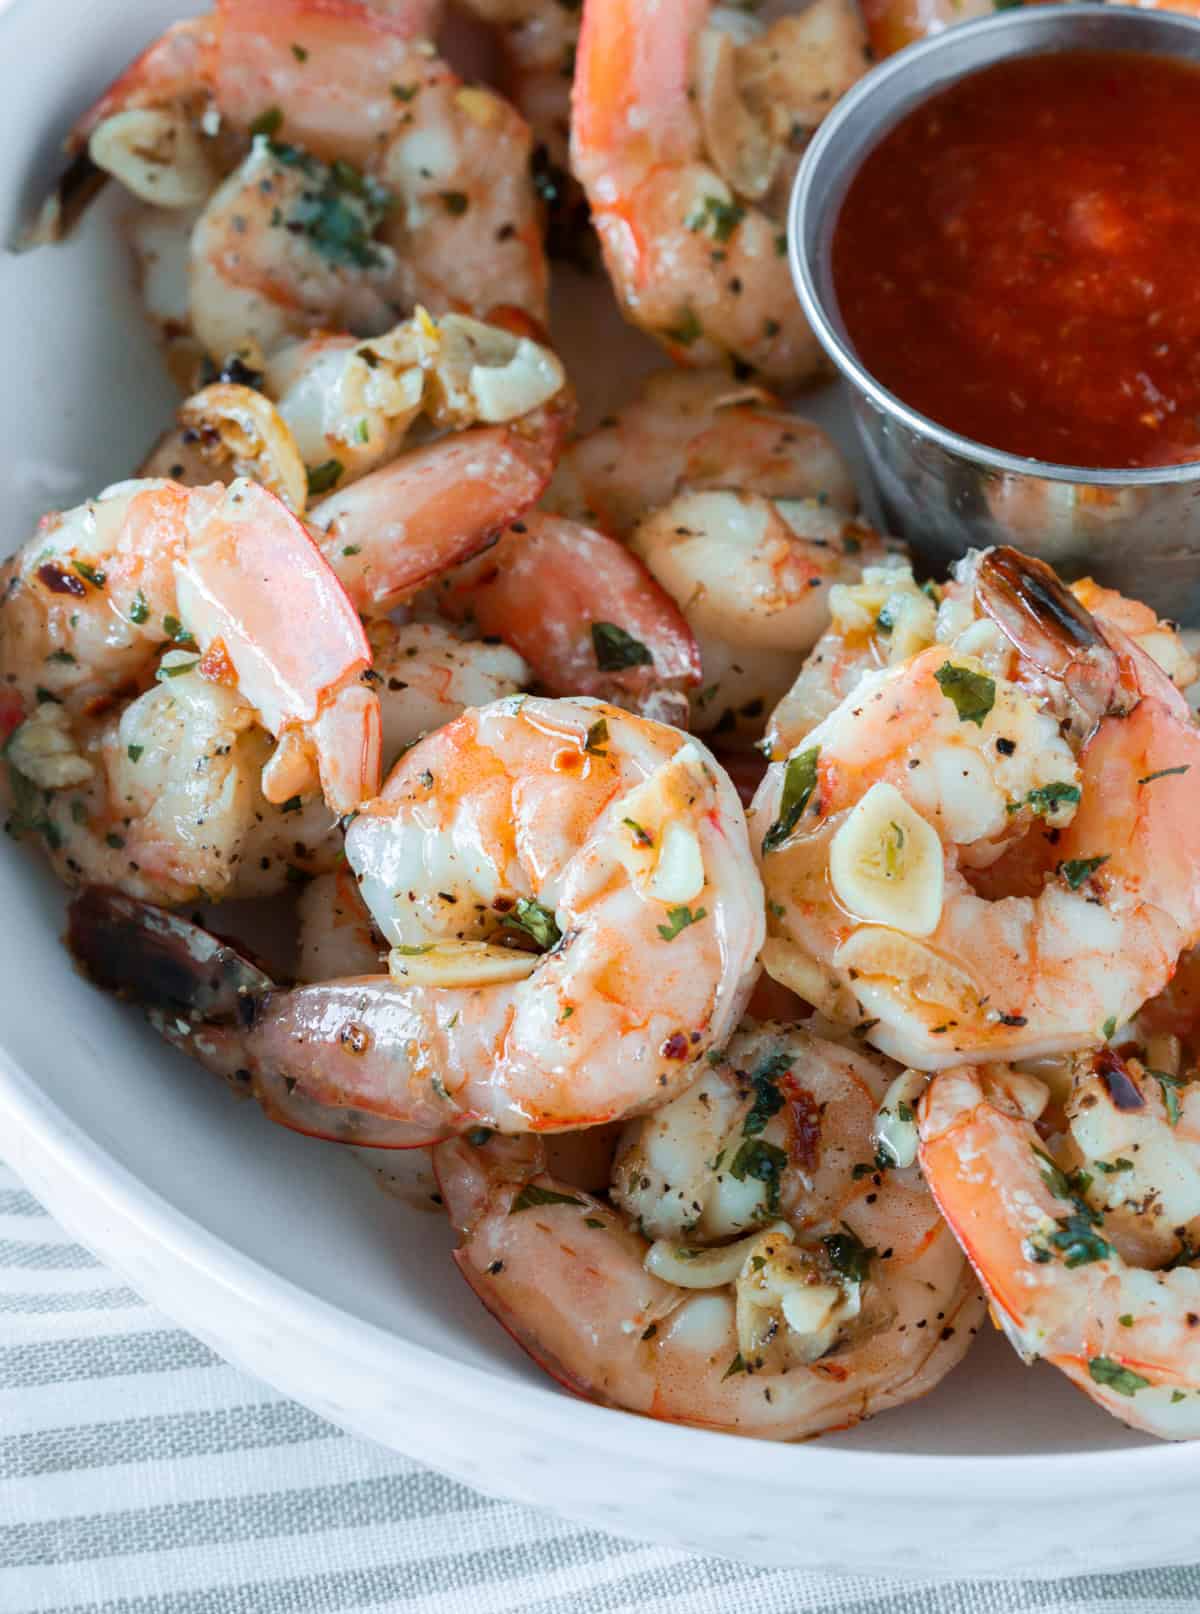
{"points": [[790, 1288], [1087, 1258], [330, 409], [435, 507], [337, 936], [574, 921], [877, 622], [691, 430], [428, 676], [88, 603], [887, 618], [687, 123], [990, 849], [375, 179], [161, 797], [585, 614], [753, 578], [538, 42], [286, 246]]}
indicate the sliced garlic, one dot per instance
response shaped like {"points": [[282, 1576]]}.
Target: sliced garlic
{"points": [[654, 840], [459, 964], [692, 1268], [238, 426], [1026, 1095], [156, 154], [886, 866], [43, 750], [894, 1131]]}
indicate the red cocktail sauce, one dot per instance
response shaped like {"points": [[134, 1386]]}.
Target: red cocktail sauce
{"points": [[1019, 259]]}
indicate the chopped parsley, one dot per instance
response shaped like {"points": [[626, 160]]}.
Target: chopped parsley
{"points": [[679, 919], [1115, 1377], [324, 476], [139, 611], [135, 752], [178, 670], [89, 573], [268, 123], [1170, 1086], [768, 1100], [736, 1366], [535, 921], [973, 694], [799, 782], [641, 837], [848, 1255], [1078, 869], [597, 738], [1047, 799], [616, 649], [719, 218], [532, 1195], [686, 331], [764, 1163], [1163, 773], [404, 92]]}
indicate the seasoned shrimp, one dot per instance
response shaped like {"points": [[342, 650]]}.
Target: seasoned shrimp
{"points": [[877, 622], [574, 921], [692, 430], [428, 676], [161, 797], [687, 124], [286, 246], [538, 41], [375, 180], [585, 614], [329, 409], [1086, 1249], [757, 1273], [888, 617], [336, 935], [990, 849], [753, 578], [89, 602]]}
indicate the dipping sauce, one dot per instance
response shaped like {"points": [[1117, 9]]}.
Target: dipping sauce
{"points": [[1019, 259]]}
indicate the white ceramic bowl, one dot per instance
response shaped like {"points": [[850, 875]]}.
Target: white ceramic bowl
{"points": [[283, 1254]]}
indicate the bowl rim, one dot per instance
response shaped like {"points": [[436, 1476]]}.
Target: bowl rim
{"points": [[806, 196], [71, 1151], [67, 1151]]}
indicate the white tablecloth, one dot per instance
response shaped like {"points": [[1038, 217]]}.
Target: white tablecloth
{"points": [[139, 1474]]}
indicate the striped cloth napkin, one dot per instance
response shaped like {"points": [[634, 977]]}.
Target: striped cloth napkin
{"points": [[139, 1474]]}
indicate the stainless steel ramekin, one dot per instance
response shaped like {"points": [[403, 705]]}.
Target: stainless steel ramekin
{"points": [[1138, 531]]}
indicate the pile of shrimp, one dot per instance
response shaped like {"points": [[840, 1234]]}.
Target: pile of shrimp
{"points": [[781, 957]]}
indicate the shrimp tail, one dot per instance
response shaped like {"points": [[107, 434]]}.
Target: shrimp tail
{"points": [[210, 1000], [1045, 621]]}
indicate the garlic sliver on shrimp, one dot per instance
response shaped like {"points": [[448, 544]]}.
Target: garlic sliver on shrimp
{"points": [[885, 864]]}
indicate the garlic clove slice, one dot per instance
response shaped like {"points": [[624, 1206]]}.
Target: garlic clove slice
{"points": [[886, 864]]}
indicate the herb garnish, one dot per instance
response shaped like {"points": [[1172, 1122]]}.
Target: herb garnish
{"points": [[535, 921], [799, 782], [719, 218], [768, 1100], [616, 649], [763, 1162], [1078, 869], [973, 694], [597, 738], [532, 1195], [324, 476], [1115, 1377], [679, 919], [848, 1255]]}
